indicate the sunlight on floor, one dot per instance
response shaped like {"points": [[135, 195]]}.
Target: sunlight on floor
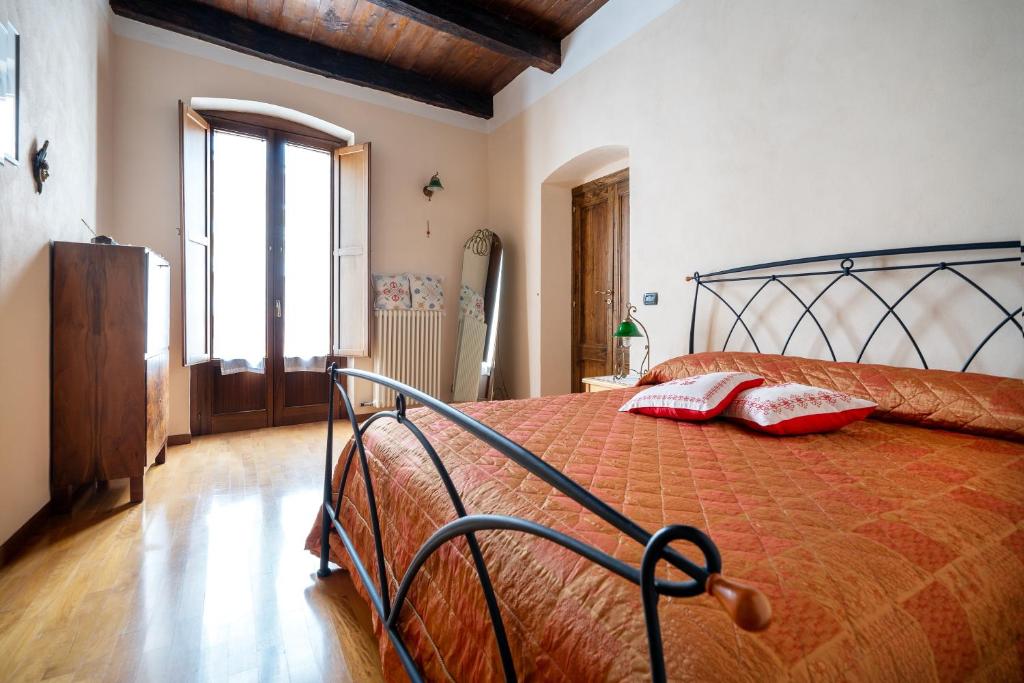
{"points": [[206, 580]]}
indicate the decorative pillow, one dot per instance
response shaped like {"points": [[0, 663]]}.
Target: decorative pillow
{"points": [[797, 409], [965, 402], [472, 303], [391, 292], [426, 291], [693, 398]]}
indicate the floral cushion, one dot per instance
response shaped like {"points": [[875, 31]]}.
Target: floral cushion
{"points": [[391, 292], [427, 292], [472, 304]]}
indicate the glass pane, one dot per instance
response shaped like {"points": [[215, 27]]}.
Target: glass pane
{"points": [[307, 248], [240, 249], [8, 92]]}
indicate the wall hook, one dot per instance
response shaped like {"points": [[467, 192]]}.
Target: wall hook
{"points": [[40, 168]]}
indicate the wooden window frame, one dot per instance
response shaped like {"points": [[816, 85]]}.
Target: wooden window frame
{"points": [[276, 133]]}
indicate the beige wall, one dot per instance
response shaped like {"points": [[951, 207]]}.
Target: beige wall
{"points": [[65, 90], [406, 151], [753, 131], [761, 131], [556, 273]]}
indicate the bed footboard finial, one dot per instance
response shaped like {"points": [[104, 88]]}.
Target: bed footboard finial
{"points": [[748, 607]]}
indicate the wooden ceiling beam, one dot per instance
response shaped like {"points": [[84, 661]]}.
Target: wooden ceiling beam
{"points": [[236, 33], [482, 27]]}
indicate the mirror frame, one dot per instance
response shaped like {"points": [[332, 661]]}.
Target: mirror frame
{"points": [[480, 242]]}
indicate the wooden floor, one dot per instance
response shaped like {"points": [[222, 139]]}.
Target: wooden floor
{"points": [[206, 580]]}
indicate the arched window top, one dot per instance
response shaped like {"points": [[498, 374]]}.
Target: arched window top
{"points": [[274, 111]]}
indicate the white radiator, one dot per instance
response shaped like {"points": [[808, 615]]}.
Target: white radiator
{"points": [[407, 348]]}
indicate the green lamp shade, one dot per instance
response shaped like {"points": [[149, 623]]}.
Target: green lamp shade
{"points": [[627, 328], [435, 184]]}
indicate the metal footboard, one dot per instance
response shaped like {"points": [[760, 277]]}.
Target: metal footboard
{"points": [[748, 607]]}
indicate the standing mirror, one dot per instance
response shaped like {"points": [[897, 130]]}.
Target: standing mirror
{"points": [[479, 304]]}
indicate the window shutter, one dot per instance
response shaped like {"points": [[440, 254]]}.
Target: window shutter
{"points": [[195, 235], [352, 250]]}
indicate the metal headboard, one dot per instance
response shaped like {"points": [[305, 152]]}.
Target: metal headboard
{"points": [[778, 272]]}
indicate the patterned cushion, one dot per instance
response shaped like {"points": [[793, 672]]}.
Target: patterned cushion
{"points": [[792, 408], [700, 397], [427, 292], [391, 292], [959, 401], [472, 303]]}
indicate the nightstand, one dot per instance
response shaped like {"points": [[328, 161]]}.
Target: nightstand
{"points": [[592, 384]]}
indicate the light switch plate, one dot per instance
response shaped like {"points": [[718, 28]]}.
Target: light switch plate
{"points": [[650, 299]]}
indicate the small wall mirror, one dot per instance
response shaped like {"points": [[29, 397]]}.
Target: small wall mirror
{"points": [[479, 306]]}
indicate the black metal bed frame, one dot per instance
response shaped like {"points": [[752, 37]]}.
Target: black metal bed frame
{"points": [[655, 545], [847, 270]]}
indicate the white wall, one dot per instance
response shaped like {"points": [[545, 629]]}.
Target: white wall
{"points": [[64, 98], [762, 131], [406, 151]]}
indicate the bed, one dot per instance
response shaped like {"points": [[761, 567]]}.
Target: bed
{"points": [[892, 549]]}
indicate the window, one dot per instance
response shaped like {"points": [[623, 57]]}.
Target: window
{"points": [[307, 248], [240, 251], [275, 230]]}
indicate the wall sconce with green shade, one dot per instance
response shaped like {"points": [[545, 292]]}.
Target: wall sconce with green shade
{"points": [[433, 186], [628, 329]]}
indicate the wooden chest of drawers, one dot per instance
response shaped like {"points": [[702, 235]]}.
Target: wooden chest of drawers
{"points": [[111, 334]]}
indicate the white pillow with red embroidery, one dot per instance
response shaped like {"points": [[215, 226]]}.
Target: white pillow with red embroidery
{"points": [[797, 409], [696, 398]]}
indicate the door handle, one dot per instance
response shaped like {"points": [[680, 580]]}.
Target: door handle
{"points": [[609, 292], [277, 308]]}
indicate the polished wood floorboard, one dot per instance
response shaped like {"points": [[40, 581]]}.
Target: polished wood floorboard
{"points": [[206, 580]]}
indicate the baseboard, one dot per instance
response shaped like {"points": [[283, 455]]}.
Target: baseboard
{"points": [[19, 539], [179, 439]]}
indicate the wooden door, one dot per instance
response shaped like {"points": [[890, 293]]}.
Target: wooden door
{"points": [[600, 278], [302, 396], [339, 239]]}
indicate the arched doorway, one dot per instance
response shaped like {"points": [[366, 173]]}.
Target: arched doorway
{"points": [[557, 272]]}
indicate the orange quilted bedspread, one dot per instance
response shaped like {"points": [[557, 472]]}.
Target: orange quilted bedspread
{"points": [[889, 551]]}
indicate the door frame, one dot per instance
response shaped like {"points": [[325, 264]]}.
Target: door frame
{"points": [[203, 376], [612, 188]]}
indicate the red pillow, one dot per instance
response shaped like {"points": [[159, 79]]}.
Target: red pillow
{"points": [[797, 409], [700, 397]]}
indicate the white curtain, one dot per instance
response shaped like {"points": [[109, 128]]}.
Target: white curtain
{"points": [[307, 258], [240, 252]]}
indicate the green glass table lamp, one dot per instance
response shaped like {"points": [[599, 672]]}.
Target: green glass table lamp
{"points": [[628, 329]]}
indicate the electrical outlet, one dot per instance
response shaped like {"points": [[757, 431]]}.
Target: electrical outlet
{"points": [[650, 299]]}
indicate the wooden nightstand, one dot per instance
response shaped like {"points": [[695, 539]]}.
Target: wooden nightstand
{"points": [[592, 384]]}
